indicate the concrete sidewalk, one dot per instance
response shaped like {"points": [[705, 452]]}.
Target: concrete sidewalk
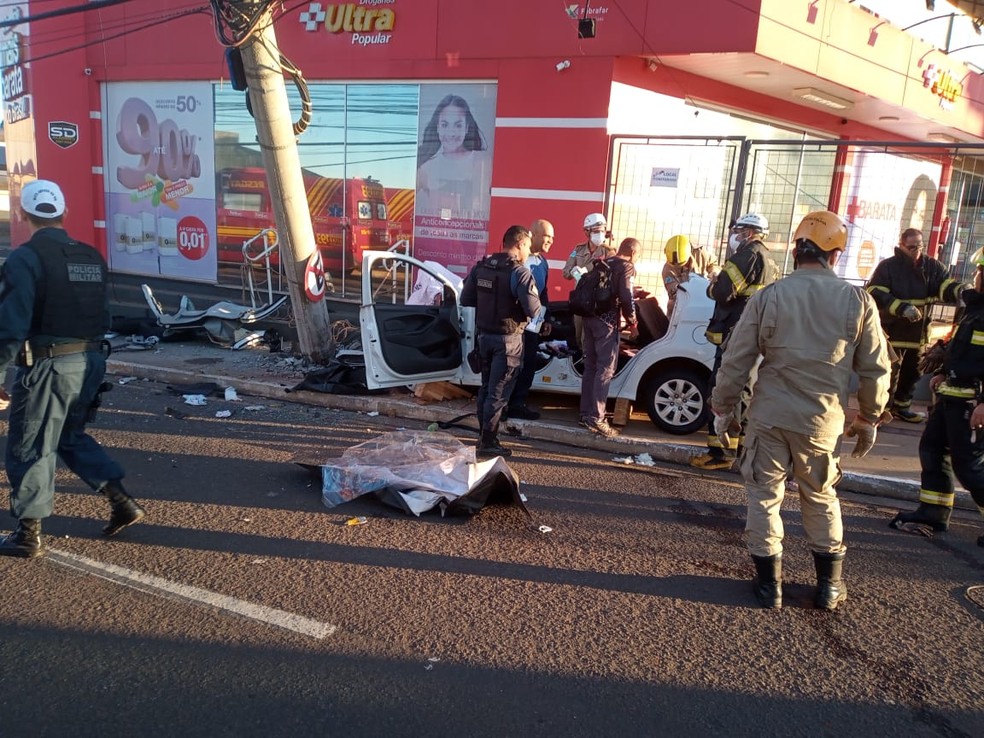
{"points": [[891, 469]]}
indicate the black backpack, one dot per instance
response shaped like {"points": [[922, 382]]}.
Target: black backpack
{"points": [[593, 294]]}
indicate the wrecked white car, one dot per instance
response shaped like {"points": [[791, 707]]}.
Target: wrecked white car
{"points": [[414, 329]]}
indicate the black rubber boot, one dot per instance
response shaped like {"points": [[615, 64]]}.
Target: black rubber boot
{"points": [[25, 541], [831, 591], [125, 510], [768, 580], [936, 517], [489, 446]]}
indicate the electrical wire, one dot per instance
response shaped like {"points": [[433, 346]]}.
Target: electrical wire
{"points": [[234, 26], [300, 83], [161, 20], [46, 38], [71, 10]]}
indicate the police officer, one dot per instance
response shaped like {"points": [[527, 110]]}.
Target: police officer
{"points": [[746, 271], [905, 285], [504, 295], [53, 314], [952, 443], [813, 331], [543, 236]]}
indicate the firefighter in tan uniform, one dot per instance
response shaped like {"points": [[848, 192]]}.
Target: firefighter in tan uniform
{"points": [[813, 331], [684, 258]]}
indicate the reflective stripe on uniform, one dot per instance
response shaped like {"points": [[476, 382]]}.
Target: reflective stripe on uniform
{"points": [[751, 290], [966, 393], [906, 344], [716, 338], [871, 288], [977, 338], [936, 498], [737, 278], [893, 309], [714, 442], [947, 283]]}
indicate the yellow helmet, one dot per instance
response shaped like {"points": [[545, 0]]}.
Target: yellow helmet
{"points": [[977, 258], [678, 250], [823, 229]]}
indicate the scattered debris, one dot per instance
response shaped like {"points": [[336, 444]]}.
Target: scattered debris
{"points": [[224, 414], [254, 408], [230, 394], [207, 389], [643, 459], [138, 343], [220, 322], [194, 399], [357, 521], [440, 391], [545, 529], [373, 413], [126, 380]]}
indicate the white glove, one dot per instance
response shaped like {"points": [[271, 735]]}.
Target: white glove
{"points": [[724, 426], [865, 433], [912, 314], [4, 399]]}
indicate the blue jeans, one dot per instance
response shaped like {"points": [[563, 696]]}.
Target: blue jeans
{"points": [[502, 356], [521, 392], [49, 406]]}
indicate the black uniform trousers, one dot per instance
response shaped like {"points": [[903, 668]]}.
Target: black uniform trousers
{"points": [[905, 374], [948, 448], [502, 355]]}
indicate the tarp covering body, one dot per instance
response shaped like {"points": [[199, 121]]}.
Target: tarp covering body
{"points": [[417, 471]]}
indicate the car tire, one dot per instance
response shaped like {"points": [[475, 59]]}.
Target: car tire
{"points": [[677, 401]]}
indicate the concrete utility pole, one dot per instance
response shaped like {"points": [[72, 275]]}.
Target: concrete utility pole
{"points": [[275, 134]]}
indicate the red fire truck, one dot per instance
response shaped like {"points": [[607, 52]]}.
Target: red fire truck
{"points": [[349, 215], [399, 208]]}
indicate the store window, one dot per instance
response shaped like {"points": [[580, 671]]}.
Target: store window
{"points": [[357, 156]]}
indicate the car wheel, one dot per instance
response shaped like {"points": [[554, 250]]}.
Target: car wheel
{"points": [[676, 401]]}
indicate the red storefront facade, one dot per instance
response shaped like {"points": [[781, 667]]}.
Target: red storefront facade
{"points": [[556, 106]]}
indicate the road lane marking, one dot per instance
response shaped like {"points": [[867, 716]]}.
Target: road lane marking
{"points": [[156, 585]]}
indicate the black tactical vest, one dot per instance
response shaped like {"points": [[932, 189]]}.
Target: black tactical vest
{"points": [[498, 309], [70, 300]]}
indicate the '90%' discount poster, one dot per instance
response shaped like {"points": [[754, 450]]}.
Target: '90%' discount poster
{"points": [[160, 179]]}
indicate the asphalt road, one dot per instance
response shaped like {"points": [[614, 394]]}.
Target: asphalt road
{"points": [[243, 606]]}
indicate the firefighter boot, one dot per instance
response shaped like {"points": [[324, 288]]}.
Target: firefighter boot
{"points": [[25, 541], [768, 580], [489, 446], [124, 509], [831, 591], [936, 517]]}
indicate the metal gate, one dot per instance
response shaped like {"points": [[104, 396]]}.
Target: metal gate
{"points": [[660, 187]]}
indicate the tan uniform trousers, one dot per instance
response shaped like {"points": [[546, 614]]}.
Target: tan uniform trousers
{"points": [[768, 456]]}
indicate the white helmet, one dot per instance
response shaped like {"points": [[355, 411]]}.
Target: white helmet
{"points": [[595, 219], [753, 220]]}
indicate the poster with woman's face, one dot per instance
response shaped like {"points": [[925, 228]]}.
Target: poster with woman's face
{"points": [[454, 173]]}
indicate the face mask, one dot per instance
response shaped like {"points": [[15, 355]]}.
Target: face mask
{"points": [[734, 241], [597, 239]]}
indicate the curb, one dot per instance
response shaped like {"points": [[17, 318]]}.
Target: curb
{"points": [[674, 453]]}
